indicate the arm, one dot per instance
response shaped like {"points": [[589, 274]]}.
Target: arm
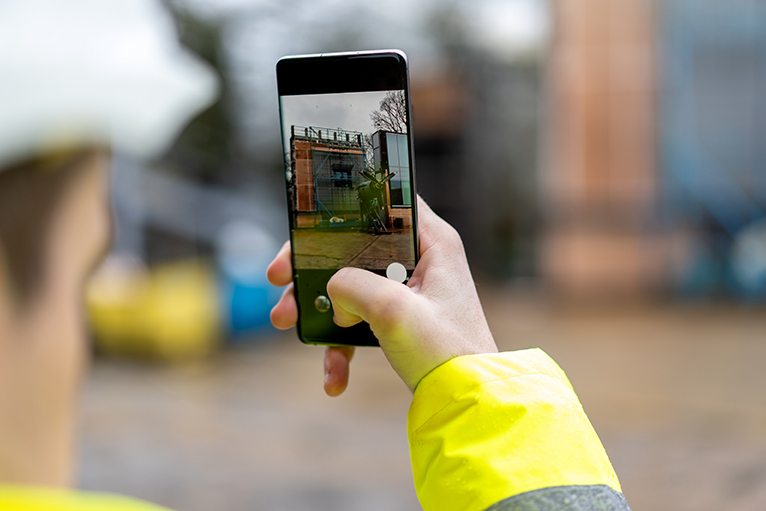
{"points": [[511, 434], [487, 430]]}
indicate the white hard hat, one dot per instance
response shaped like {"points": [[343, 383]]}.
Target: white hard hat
{"points": [[85, 72]]}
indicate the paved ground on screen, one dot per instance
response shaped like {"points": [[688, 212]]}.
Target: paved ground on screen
{"points": [[327, 250], [678, 395]]}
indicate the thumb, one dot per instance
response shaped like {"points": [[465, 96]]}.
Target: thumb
{"points": [[397, 316], [359, 295]]}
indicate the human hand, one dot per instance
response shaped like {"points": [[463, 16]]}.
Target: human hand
{"points": [[284, 315], [434, 318]]}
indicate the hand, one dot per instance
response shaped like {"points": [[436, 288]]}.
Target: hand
{"points": [[434, 318], [284, 315], [437, 316]]}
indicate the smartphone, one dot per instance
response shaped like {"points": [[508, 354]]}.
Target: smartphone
{"points": [[350, 178]]}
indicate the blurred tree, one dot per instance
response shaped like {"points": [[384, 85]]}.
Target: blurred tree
{"points": [[204, 149], [392, 113]]}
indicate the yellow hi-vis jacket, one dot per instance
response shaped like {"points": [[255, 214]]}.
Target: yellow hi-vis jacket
{"points": [[503, 432], [499, 432]]}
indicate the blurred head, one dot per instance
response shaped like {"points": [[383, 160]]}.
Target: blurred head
{"points": [[76, 76]]}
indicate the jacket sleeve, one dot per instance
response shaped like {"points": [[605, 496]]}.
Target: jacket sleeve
{"points": [[506, 431]]}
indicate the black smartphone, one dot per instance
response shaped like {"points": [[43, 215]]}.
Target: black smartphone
{"points": [[350, 176]]}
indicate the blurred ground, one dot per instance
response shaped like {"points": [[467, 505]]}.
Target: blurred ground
{"points": [[676, 393]]}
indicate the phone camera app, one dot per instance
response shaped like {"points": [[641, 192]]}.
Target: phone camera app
{"points": [[349, 186]]}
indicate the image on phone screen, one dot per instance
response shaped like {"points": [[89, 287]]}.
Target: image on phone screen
{"points": [[349, 180]]}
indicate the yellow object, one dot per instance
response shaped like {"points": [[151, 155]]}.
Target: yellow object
{"points": [[170, 312], [31, 498], [484, 428]]}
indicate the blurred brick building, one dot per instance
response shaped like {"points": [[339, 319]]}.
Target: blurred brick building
{"points": [[599, 179]]}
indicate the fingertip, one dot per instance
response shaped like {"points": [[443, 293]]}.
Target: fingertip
{"points": [[279, 271], [333, 387], [434, 230], [424, 208], [284, 314], [336, 365], [337, 290], [271, 273], [335, 381], [343, 319]]}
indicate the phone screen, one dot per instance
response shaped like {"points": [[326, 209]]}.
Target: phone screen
{"points": [[350, 180]]}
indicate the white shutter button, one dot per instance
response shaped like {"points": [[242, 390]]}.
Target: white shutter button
{"points": [[397, 272]]}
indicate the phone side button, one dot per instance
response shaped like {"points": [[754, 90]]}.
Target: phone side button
{"points": [[322, 303]]}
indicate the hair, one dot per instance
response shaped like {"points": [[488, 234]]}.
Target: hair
{"points": [[30, 193]]}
